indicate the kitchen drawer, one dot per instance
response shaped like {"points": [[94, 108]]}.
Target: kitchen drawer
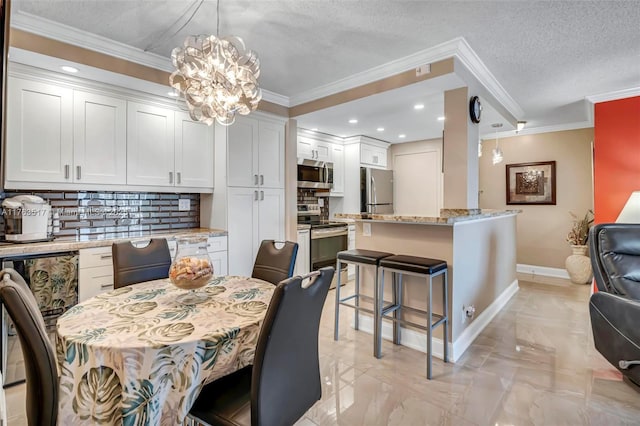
{"points": [[217, 244], [97, 256], [219, 261], [93, 281]]}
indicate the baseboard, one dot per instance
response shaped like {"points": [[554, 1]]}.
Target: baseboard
{"points": [[542, 270], [418, 340]]}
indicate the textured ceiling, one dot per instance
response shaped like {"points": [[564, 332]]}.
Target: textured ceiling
{"points": [[547, 55]]}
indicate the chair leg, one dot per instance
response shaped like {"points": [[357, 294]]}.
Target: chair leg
{"points": [[377, 312], [445, 305], [429, 330], [337, 313], [356, 311]]}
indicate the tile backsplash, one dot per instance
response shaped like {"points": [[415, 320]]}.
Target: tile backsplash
{"points": [[309, 196], [115, 214]]}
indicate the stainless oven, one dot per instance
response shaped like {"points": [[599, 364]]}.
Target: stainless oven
{"points": [[326, 241], [53, 280]]}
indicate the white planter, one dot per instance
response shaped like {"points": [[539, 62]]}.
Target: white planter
{"points": [[578, 265]]}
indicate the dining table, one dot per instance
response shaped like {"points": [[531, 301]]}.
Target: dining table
{"points": [[139, 355]]}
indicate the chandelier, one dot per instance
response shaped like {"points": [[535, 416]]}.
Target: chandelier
{"points": [[217, 77]]}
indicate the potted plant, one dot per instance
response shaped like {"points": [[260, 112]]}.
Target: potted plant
{"points": [[578, 264]]}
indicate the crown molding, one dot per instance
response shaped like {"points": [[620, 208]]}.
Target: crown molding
{"points": [[276, 98], [615, 95], [536, 130], [436, 53], [66, 34], [479, 70]]}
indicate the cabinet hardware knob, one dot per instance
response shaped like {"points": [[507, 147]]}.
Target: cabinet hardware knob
{"points": [[261, 179], [78, 172], [105, 256], [255, 195], [255, 179], [66, 171], [170, 177], [261, 195], [179, 176]]}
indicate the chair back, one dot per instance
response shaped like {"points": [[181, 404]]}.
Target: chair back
{"points": [[285, 380], [39, 356], [133, 265], [614, 249], [275, 264]]}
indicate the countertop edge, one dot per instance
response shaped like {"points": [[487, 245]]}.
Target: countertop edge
{"points": [[67, 244], [428, 220]]}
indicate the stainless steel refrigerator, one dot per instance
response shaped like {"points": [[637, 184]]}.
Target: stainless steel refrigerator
{"points": [[376, 191]]}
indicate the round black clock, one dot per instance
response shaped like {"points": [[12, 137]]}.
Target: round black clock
{"points": [[475, 109]]}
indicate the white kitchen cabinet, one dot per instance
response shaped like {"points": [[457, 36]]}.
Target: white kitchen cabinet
{"points": [[255, 153], [166, 148], [61, 135], [39, 131], [150, 144], [217, 250], [95, 272], [351, 245], [255, 214], [313, 149], [337, 155], [371, 155], [194, 142], [99, 139], [303, 259]]}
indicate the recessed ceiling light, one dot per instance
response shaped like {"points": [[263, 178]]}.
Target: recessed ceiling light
{"points": [[402, 136], [315, 129], [418, 106], [353, 121], [380, 129], [172, 94], [343, 136], [67, 68], [440, 118]]}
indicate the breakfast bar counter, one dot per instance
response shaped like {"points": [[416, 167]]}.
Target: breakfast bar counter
{"points": [[479, 247]]}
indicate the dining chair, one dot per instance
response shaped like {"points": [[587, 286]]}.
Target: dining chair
{"points": [[284, 381], [133, 265], [39, 356], [275, 264]]}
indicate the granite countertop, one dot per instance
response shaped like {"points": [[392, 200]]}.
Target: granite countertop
{"points": [[87, 241], [303, 226], [447, 216]]}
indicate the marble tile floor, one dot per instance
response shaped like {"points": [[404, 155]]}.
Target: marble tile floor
{"points": [[535, 364]]}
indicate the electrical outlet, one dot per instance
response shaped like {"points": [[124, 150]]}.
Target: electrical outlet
{"points": [[184, 204], [366, 229], [468, 312]]}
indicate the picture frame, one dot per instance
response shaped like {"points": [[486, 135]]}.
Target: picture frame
{"points": [[531, 183]]}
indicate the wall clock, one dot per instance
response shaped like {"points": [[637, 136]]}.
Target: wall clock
{"points": [[475, 109]]}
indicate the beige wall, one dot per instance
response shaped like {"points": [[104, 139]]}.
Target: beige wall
{"points": [[542, 229]]}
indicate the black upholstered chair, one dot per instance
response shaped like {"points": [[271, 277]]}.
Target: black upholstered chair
{"points": [[39, 356], [275, 264], [133, 265], [615, 309], [284, 381]]}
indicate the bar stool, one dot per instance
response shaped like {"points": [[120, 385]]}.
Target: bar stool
{"points": [[358, 258], [421, 267]]}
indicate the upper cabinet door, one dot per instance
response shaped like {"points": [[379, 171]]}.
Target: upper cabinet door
{"points": [[323, 151], [306, 148], [193, 152], [150, 136], [40, 131], [271, 155], [242, 152], [99, 139], [337, 154]]}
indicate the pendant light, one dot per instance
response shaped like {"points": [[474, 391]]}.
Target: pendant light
{"points": [[497, 152]]}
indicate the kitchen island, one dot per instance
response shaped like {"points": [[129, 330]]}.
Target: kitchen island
{"points": [[479, 247]]}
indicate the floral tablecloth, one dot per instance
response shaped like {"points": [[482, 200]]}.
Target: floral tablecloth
{"points": [[138, 356]]}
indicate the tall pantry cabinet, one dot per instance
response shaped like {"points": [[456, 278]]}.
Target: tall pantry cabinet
{"points": [[255, 187]]}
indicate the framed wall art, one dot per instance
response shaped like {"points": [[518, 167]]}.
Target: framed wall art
{"points": [[531, 183]]}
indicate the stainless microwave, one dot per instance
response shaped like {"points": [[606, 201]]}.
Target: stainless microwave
{"points": [[315, 174]]}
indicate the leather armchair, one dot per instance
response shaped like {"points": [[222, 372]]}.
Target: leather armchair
{"points": [[615, 309]]}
